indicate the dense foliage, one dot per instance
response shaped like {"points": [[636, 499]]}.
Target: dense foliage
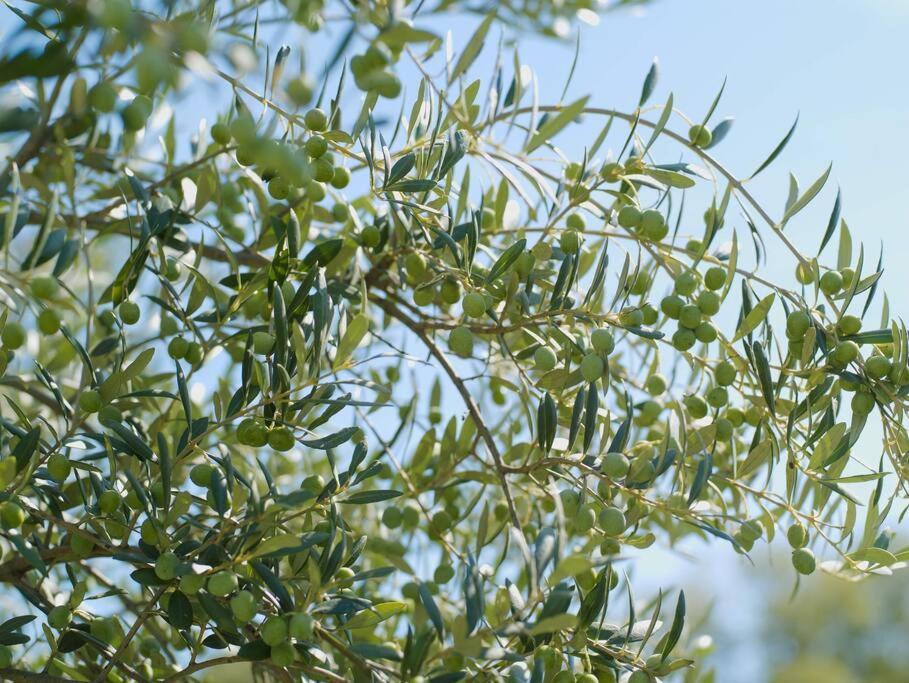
{"points": [[363, 362]]}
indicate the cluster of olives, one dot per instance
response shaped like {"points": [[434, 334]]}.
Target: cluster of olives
{"points": [[831, 282], [290, 171], [694, 311], [371, 72], [649, 223], [276, 631], [878, 367], [254, 432]]}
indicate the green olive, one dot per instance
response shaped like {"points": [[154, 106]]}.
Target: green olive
{"points": [[592, 367], [700, 136], [804, 561], [615, 466], [612, 521], [461, 341], [316, 120]]}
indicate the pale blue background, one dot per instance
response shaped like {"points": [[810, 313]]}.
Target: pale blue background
{"points": [[841, 65]]}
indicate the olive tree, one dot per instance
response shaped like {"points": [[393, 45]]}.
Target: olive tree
{"points": [[333, 348]]}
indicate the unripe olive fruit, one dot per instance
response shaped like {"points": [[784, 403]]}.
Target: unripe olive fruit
{"points": [[251, 432], [443, 574], [278, 188], [461, 341], [129, 312], [316, 191], [804, 561], [173, 269], [724, 429], [686, 283], [391, 517], [575, 221], [848, 325], [11, 515], [166, 566], [717, 397], [201, 474], [274, 630], [690, 316], [845, 352], [370, 236], [323, 170], [135, 114], [615, 466], [797, 536], [281, 439], [283, 654], [570, 241], [585, 518], [263, 343], [58, 617], [877, 367], [699, 135], [48, 321], [222, 583], [177, 348], [724, 373], [709, 303], [804, 274], [602, 340], [299, 90], [697, 406], [831, 282], [715, 278], [316, 120], [44, 287], [629, 217], [655, 385], [683, 339], [58, 467], [862, 403], [13, 335], [672, 306], [612, 521], [423, 296], [652, 222], [450, 291], [340, 178], [592, 367], [109, 501], [848, 276], [474, 304], [544, 358], [220, 133], [191, 583], [194, 353], [243, 606], [102, 97], [631, 317], [316, 146], [301, 626]]}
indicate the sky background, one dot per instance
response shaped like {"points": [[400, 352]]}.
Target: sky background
{"points": [[833, 62]]}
